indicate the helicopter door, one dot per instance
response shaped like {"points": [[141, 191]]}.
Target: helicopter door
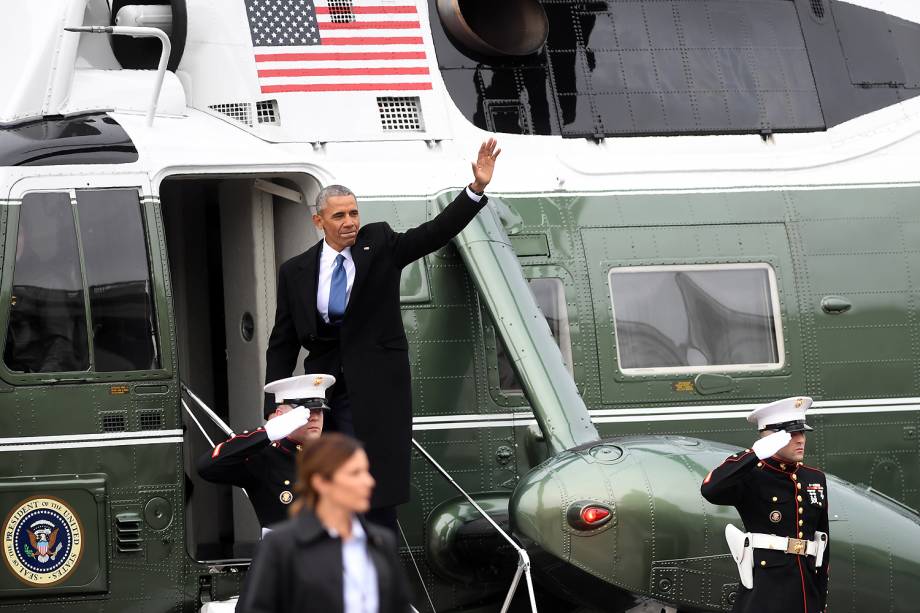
{"points": [[694, 314], [248, 272]]}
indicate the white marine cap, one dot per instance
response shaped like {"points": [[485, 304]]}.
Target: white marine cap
{"points": [[787, 414], [300, 389]]}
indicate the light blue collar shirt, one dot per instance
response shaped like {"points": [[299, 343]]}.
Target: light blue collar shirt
{"points": [[360, 576]]}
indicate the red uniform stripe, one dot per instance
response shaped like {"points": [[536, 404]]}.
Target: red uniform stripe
{"points": [[343, 87], [802, 576], [329, 72]]}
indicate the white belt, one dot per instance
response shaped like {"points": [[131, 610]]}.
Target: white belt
{"points": [[786, 545]]}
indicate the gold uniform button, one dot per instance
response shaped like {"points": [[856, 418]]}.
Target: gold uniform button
{"points": [[783, 466], [801, 510], [763, 562], [798, 485], [794, 478], [775, 499], [286, 482], [800, 535], [759, 464], [799, 498], [800, 522]]}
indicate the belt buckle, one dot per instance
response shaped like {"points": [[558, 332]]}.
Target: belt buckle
{"points": [[797, 546]]}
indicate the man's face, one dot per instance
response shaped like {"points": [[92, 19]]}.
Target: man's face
{"points": [[312, 429], [339, 220], [794, 451]]}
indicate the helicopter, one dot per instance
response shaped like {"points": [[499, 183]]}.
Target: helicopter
{"points": [[702, 206]]}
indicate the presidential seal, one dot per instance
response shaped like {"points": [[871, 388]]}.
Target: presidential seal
{"points": [[42, 541]]}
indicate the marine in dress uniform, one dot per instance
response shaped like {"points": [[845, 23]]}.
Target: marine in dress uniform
{"points": [[264, 461], [783, 504]]}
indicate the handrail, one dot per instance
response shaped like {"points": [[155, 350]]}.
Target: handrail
{"points": [[139, 32], [523, 567], [197, 423], [208, 411]]}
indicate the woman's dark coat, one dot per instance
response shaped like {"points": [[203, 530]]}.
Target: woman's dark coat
{"points": [[298, 567]]}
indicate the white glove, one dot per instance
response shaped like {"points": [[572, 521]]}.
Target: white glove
{"points": [[279, 427], [769, 445]]}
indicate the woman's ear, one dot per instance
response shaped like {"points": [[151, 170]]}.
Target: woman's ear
{"points": [[318, 483]]}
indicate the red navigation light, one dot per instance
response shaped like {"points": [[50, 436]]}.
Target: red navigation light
{"points": [[588, 515], [594, 515]]}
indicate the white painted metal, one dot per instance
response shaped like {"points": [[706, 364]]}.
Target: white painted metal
{"points": [[95, 436], [224, 606], [136, 32], [145, 16]]}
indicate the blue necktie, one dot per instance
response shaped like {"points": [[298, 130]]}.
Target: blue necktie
{"points": [[337, 288]]}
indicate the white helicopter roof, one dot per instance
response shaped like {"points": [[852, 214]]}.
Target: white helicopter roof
{"points": [[328, 123]]}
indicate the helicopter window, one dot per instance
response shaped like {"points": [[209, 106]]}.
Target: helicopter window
{"points": [[47, 323], [550, 297], [696, 318], [118, 277]]}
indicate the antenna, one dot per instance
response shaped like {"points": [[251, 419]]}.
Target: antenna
{"points": [[139, 32]]}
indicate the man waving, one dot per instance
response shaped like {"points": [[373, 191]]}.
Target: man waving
{"points": [[340, 301]]}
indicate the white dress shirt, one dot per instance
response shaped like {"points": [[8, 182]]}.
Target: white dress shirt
{"points": [[358, 572], [326, 266]]}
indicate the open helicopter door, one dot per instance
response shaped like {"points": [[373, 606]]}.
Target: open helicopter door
{"points": [[248, 259], [691, 317], [226, 236]]}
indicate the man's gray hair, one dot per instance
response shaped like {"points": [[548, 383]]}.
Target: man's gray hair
{"points": [[331, 191]]}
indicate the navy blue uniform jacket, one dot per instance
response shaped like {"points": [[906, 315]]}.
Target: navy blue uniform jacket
{"points": [[785, 499]]}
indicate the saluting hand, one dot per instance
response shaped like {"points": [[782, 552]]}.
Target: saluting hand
{"points": [[769, 445], [484, 165]]}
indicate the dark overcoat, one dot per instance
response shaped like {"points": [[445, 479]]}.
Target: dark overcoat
{"points": [[370, 348], [298, 567], [782, 498]]}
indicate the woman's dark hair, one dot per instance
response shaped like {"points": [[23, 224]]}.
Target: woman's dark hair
{"points": [[321, 456]]}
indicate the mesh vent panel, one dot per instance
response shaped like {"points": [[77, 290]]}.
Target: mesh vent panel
{"points": [[400, 113], [340, 11], [151, 420], [114, 422], [267, 111], [817, 8], [238, 111]]}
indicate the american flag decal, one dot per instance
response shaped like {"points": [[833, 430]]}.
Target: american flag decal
{"points": [[337, 45]]}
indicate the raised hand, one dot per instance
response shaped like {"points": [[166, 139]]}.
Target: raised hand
{"points": [[769, 445], [279, 427], [484, 165]]}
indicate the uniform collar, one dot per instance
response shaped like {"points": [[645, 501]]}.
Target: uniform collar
{"points": [[782, 465]]}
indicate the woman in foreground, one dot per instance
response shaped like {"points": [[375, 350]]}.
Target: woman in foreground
{"points": [[326, 557]]}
